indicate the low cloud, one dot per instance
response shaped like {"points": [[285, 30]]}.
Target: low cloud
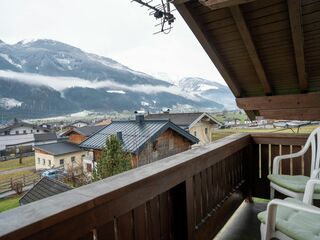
{"points": [[62, 83]]}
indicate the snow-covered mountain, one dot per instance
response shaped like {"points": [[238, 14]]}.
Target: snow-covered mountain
{"points": [[44, 78], [209, 90]]}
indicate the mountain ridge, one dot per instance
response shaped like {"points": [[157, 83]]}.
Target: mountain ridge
{"points": [[107, 81]]}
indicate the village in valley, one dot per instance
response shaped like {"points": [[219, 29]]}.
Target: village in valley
{"points": [[41, 158]]}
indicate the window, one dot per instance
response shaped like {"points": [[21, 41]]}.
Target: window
{"points": [[37, 130], [61, 161], [24, 131], [73, 159], [38, 160], [49, 162], [31, 131], [6, 132], [206, 131], [89, 167], [43, 162], [195, 133], [17, 132]]}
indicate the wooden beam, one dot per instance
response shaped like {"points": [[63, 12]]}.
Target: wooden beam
{"points": [[309, 114], [217, 4], [208, 47], [248, 42], [295, 101], [180, 1], [294, 8]]}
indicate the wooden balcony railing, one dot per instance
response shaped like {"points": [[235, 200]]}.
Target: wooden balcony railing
{"points": [[190, 195], [266, 146]]}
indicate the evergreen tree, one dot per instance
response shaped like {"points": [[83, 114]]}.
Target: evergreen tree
{"points": [[113, 160]]}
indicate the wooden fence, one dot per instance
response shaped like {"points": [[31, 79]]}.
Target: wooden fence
{"points": [[7, 185]]}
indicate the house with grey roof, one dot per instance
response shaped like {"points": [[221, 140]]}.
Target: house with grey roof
{"points": [[146, 140], [78, 135], [18, 133], [45, 187], [199, 124], [61, 154]]}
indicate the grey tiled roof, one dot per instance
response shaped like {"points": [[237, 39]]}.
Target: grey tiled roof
{"points": [[45, 137], [180, 119], [59, 148], [134, 135], [88, 130], [46, 187]]}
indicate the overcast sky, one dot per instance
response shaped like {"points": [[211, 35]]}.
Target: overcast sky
{"points": [[119, 29]]}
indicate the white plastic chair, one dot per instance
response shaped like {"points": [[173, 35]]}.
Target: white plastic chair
{"points": [[292, 218], [294, 186]]}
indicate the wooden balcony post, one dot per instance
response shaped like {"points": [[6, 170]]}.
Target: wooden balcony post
{"points": [[190, 208]]}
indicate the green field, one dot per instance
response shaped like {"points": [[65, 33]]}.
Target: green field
{"points": [[9, 203], [221, 133], [14, 163]]}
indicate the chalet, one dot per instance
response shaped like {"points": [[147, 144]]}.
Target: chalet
{"points": [[17, 127], [62, 154], [199, 124], [79, 124], [22, 134], [146, 140], [79, 134]]}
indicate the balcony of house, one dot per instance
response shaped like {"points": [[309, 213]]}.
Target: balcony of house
{"points": [[191, 195]]}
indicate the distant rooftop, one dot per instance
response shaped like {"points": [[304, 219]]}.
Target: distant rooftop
{"points": [[59, 148], [181, 119], [85, 131], [134, 134], [46, 187]]}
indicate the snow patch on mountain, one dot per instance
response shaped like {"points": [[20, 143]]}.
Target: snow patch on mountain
{"points": [[9, 103], [8, 59], [116, 91]]}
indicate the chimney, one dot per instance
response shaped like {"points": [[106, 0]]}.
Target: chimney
{"points": [[119, 136], [139, 116]]}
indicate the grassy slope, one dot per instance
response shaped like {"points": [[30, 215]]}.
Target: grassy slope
{"points": [[8, 203], [14, 164]]}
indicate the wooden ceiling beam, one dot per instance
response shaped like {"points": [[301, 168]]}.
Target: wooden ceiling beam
{"points": [[208, 47], [248, 42], [309, 114], [294, 8], [217, 4], [295, 101]]}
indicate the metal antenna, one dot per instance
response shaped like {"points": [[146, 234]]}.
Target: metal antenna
{"points": [[162, 12]]}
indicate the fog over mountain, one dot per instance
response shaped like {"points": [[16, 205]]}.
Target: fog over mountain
{"points": [[42, 78]]}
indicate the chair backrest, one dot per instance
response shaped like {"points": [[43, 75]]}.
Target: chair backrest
{"points": [[314, 142]]}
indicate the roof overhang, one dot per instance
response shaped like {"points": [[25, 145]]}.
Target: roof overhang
{"points": [[266, 51]]}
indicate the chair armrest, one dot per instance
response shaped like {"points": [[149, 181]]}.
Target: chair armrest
{"points": [[308, 193], [278, 159], [272, 213], [315, 173]]}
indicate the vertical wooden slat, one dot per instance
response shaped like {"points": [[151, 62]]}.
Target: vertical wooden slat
{"points": [[106, 231], [210, 188], [260, 173], [302, 163], [204, 190], [197, 196], [154, 218], [190, 207], [291, 161], [164, 216], [125, 227], [140, 223], [269, 158]]}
